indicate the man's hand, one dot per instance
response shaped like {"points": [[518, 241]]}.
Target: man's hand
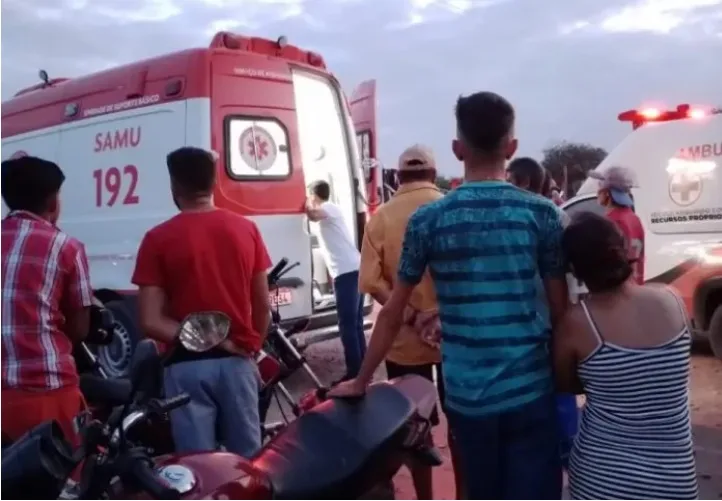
{"points": [[428, 325], [348, 389]]}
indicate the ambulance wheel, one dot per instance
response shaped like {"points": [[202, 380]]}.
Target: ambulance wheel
{"points": [[715, 332], [115, 358]]}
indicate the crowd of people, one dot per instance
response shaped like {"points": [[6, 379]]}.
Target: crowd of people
{"points": [[474, 296]]}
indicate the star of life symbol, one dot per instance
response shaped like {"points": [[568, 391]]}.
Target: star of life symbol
{"points": [[685, 188], [258, 149]]}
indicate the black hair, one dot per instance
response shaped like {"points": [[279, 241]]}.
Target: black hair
{"points": [[529, 170], [483, 120], [413, 176], [193, 170], [321, 189], [596, 251], [29, 183]]}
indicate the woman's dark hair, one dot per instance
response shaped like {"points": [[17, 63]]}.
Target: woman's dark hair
{"points": [[29, 183], [596, 251]]}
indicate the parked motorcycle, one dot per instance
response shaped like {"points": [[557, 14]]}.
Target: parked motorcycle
{"points": [[340, 449]]}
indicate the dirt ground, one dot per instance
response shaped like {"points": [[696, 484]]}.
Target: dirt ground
{"points": [[326, 359]]}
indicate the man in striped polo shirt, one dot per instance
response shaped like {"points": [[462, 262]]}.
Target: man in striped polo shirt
{"points": [[485, 244]]}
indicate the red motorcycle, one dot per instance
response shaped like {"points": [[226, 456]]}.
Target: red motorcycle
{"points": [[340, 449]]}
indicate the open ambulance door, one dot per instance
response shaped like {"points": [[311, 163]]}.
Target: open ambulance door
{"points": [[363, 113]]}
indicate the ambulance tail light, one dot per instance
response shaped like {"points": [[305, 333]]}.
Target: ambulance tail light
{"points": [[645, 115]]}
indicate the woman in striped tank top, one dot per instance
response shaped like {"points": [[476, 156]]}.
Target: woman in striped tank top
{"points": [[627, 348]]}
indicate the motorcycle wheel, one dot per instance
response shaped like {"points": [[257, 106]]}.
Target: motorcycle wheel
{"points": [[115, 358]]}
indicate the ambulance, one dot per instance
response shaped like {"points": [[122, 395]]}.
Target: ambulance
{"points": [[676, 155], [274, 114]]}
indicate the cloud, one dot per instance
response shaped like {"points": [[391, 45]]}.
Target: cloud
{"points": [[569, 68]]}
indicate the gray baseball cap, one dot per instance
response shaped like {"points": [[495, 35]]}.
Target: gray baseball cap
{"points": [[619, 181]]}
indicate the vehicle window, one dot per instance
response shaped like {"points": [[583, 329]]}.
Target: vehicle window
{"points": [[585, 205], [256, 148]]}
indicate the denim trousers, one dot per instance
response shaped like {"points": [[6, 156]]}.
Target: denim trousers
{"points": [[510, 455], [223, 407], [349, 306]]}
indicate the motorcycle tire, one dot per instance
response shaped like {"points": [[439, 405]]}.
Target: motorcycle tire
{"points": [[715, 332], [115, 358]]}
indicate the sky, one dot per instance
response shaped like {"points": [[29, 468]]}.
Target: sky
{"points": [[568, 66]]}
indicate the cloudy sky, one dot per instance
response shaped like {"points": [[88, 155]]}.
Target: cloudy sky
{"points": [[569, 66]]}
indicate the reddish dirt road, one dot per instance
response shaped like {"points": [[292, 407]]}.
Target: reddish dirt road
{"points": [[327, 360]]}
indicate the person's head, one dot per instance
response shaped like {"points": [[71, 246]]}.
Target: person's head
{"points": [[417, 164], [615, 186], [484, 130], [320, 191], [192, 175], [596, 251], [32, 184], [527, 174]]}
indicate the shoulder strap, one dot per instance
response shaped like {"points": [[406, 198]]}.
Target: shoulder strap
{"points": [[591, 321], [682, 309]]}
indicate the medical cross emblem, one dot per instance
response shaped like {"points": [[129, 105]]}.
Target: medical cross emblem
{"points": [[257, 148], [685, 189]]}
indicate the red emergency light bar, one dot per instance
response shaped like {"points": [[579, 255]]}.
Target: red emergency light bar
{"points": [[645, 115]]}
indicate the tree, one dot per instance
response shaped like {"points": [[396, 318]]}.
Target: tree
{"points": [[570, 163], [443, 183]]}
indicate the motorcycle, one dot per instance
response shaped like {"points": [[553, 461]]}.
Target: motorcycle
{"points": [[340, 449]]}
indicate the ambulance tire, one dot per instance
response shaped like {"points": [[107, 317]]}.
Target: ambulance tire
{"points": [[115, 358], [715, 332]]}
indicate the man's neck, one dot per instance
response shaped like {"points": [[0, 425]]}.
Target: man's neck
{"points": [[203, 204], [495, 171]]}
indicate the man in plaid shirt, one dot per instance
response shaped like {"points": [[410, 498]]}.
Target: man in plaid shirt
{"points": [[46, 298]]}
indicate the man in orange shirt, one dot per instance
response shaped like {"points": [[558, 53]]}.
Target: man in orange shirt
{"points": [[380, 253], [46, 299], [207, 259]]}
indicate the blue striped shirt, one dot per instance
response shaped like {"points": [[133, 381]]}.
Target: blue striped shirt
{"points": [[487, 244]]}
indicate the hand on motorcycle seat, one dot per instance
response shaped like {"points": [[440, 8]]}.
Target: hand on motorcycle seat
{"points": [[353, 389]]}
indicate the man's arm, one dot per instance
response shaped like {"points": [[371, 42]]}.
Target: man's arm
{"points": [[314, 212], [260, 298], [78, 294], [371, 272], [149, 278], [565, 358], [552, 265]]}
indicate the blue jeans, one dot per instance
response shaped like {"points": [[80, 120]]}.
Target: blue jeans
{"points": [[349, 306], [511, 455], [224, 405]]}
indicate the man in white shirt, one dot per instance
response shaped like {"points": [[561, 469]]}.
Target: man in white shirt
{"points": [[343, 259]]}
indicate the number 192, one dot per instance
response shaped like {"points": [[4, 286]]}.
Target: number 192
{"points": [[112, 183]]}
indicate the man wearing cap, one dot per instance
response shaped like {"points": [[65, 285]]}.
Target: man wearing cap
{"points": [[380, 253], [615, 194]]}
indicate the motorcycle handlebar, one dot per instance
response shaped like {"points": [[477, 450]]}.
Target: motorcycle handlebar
{"points": [[275, 273], [142, 473]]}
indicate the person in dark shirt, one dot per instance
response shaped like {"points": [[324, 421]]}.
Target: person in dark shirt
{"points": [[207, 259]]}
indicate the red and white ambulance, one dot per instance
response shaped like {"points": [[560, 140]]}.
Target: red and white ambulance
{"points": [[273, 112], [676, 155]]}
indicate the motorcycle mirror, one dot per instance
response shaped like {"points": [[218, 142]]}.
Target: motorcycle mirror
{"points": [[203, 331]]}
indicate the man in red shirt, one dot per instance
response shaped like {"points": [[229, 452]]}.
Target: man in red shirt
{"points": [[46, 299], [615, 193], [207, 259]]}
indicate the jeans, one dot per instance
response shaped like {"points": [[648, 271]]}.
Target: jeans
{"points": [[223, 409], [349, 306], [511, 455]]}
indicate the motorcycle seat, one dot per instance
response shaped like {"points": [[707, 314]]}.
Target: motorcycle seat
{"points": [[335, 450], [111, 392]]}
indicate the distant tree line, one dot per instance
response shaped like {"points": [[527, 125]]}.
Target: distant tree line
{"points": [[568, 162]]}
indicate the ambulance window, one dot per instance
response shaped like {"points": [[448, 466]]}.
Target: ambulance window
{"points": [[256, 148]]}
